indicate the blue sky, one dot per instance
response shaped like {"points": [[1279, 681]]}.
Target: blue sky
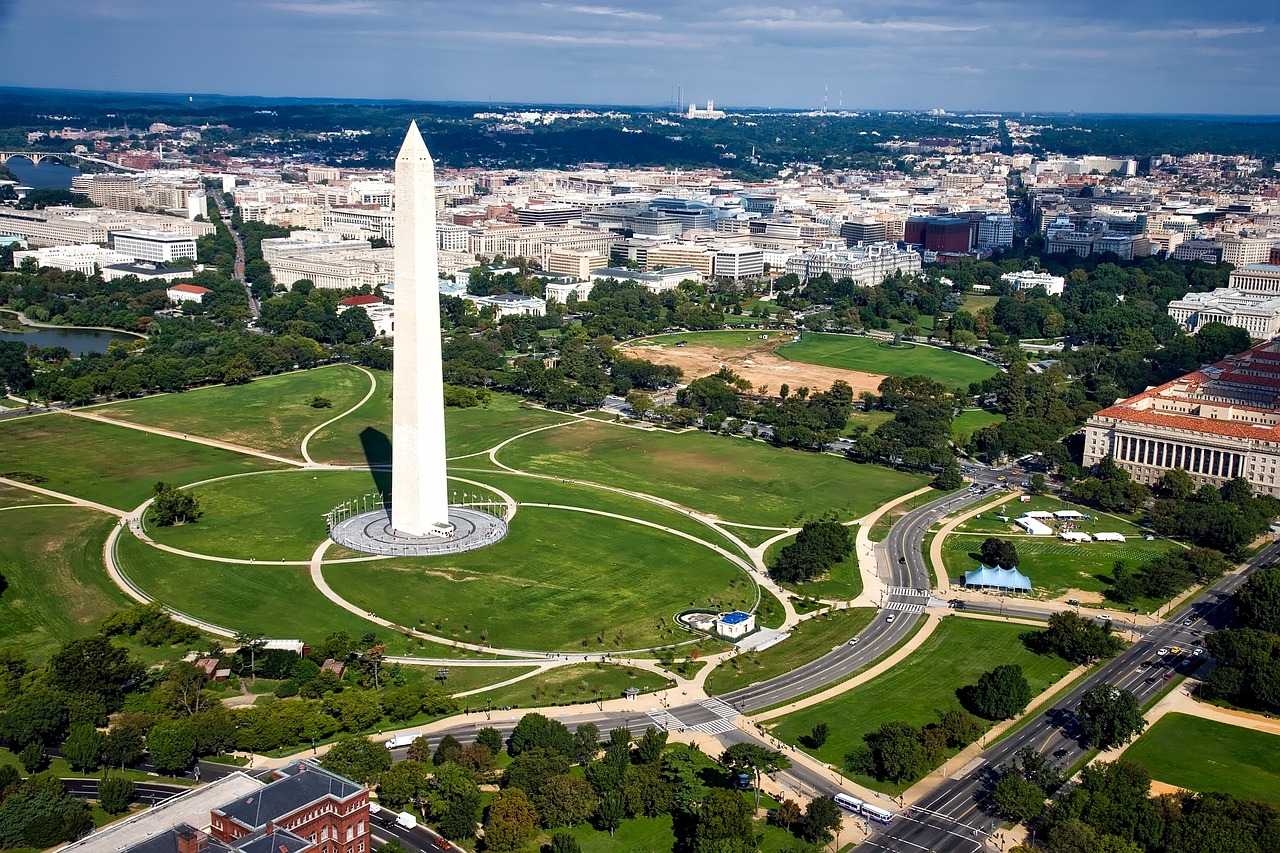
{"points": [[1086, 55]]}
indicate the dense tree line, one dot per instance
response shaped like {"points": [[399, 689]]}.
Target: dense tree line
{"points": [[919, 435], [1166, 575], [817, 547], [1248, 655]]}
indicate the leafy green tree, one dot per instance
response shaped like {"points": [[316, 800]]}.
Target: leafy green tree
{"points": [[238, 370], [491, 738], [565, 842], [755, 760], [1000, 694], [960, 728], [817, 737], [1257, 601], [83, 747], [172, 745], [723, 823], [530, 770], [1076, 639], [33, 758], [1017, 798], [817, 547], [511, 821], [358, 759], [42, 816], [38, 716], [403, 783], [115, 794], [822, 817], [999, 552], [565, 801], [586, 743], [1038, 484], [452, 802], [1109, 716], [611, 810], [447, 750], [897, 752], [949, 478], [94, 665], [650, 746], [536, 731], [172, 505]]}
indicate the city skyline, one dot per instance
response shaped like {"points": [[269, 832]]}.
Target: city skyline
{"points": [[1137, 57]]}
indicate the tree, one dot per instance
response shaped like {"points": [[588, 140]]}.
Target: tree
{"points": [[565, 801], [586, 743], [83, 747], [530, 770], [535, 730], [33, 758], [172, 745], [817, 547], [1109, 716], [38, 716], [172, 505], [452, 801], [1000, 694], [1257, 602], [949, 478], [610, 812], [897, 752], [1038, 484], [755, 760], [960, 728], [491, 738], [1076, 639], [122, 746], [115, 794], [822, 818], [357, 758], [565, 842], [94, 665], [512, 820], [238, 370], [723, 823], [816, 738], [402, 783], [448, 749], [1017, 798], [999, 552], [650, 746], [787, 815]]}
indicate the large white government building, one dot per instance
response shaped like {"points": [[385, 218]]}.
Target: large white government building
{"points": [[1218, 423], [1251, 301]]}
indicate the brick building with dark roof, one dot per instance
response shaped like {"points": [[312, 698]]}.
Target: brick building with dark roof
{"points": [[1218, 423]]}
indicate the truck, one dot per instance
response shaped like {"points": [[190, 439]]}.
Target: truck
{"points": [[407, 820], [404, 739]]}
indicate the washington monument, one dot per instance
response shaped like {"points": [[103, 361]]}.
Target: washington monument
{"points": [[419, 485]]}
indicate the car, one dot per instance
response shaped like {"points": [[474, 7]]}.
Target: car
{"points": [[1168, 675], [1190, 620], [854, 641], [444, 844], [1199, 653], [1151, 680], [1059, 753], [1162, 652], [902, 559], [1176, 650], [1104, 617], [890, 617], [1001, 479]]}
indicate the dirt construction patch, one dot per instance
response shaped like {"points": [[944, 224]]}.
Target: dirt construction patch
{"points": [[759, 365]]}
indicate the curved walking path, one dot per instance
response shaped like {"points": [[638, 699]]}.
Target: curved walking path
{"points": [[873, 586], [207, 442], [306, 439], [935, 547]]}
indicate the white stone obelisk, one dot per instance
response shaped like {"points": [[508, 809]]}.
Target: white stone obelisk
{"points": [[419, 484]]}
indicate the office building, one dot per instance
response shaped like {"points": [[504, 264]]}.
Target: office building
{"points": [[157, 247], [1251, 301], [739, 262], [995, 231], [859, 231], [947, 234]]}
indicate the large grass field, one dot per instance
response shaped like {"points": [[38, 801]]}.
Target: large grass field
{"points": [[855, 352], [917, 689], [566, 685], [107, 464], [364, 436], [1205, 755], [725, 340], [15, 496], [559, 580], [809, 641], [1055, 566], [970, 421], [58, 586], [737, 480], [272, 413]]}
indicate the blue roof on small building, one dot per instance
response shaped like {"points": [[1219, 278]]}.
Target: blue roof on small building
{"points": [[734, 618]]}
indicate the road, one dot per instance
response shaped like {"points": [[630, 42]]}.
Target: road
{"points": [[958, 816], [238, 268], [149, 793]]}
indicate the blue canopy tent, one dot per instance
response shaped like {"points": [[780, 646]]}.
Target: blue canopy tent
{"points": [[997, 578]]}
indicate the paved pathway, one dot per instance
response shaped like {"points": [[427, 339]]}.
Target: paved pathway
{"points": [[373, 387], [207, 442]]}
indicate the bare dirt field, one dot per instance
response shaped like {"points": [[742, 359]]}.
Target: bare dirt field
{"points": [[759, 365]]}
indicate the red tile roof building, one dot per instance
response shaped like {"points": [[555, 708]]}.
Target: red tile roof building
{"points": [[1220, 422]]}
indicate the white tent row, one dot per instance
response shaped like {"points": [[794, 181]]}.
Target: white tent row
{"points": [[1033, 527], [1067, 514], [1109, 537], [1074, 536]]}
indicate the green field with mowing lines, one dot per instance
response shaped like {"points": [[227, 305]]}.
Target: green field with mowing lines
{"points": [[809, 641], [15, 496], [364, 437], [559, 579], [108, 464], [1206, 755], [1055, 566], [737, 480], [58, 586], [566, 685], [725, 340], [272, 413], [871, 355], [916, 689]]}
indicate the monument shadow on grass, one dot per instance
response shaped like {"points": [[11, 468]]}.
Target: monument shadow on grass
{"points": [[377, 452]]}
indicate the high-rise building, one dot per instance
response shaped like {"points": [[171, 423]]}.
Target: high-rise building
{"points": [[995, 231]]}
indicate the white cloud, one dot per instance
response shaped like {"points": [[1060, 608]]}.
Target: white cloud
{"points": [[606, 11], [337, 8]]}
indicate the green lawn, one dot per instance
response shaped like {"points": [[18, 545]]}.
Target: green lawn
{"points": [[973, 302], [1055, 566], [657, 834], [463, 678], [855, 352], [112, 465], [724, 340], [272, 413], [571, 684], [15, 496], [809, 641], [740, 481], [559, 580], [58, 586], [842, 582], [870, 420], [917, 689], [970, 421], [364, 436], [1205, 755]]}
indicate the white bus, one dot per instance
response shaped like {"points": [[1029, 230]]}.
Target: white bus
{"points": [[848, 803], [876, 813]]}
